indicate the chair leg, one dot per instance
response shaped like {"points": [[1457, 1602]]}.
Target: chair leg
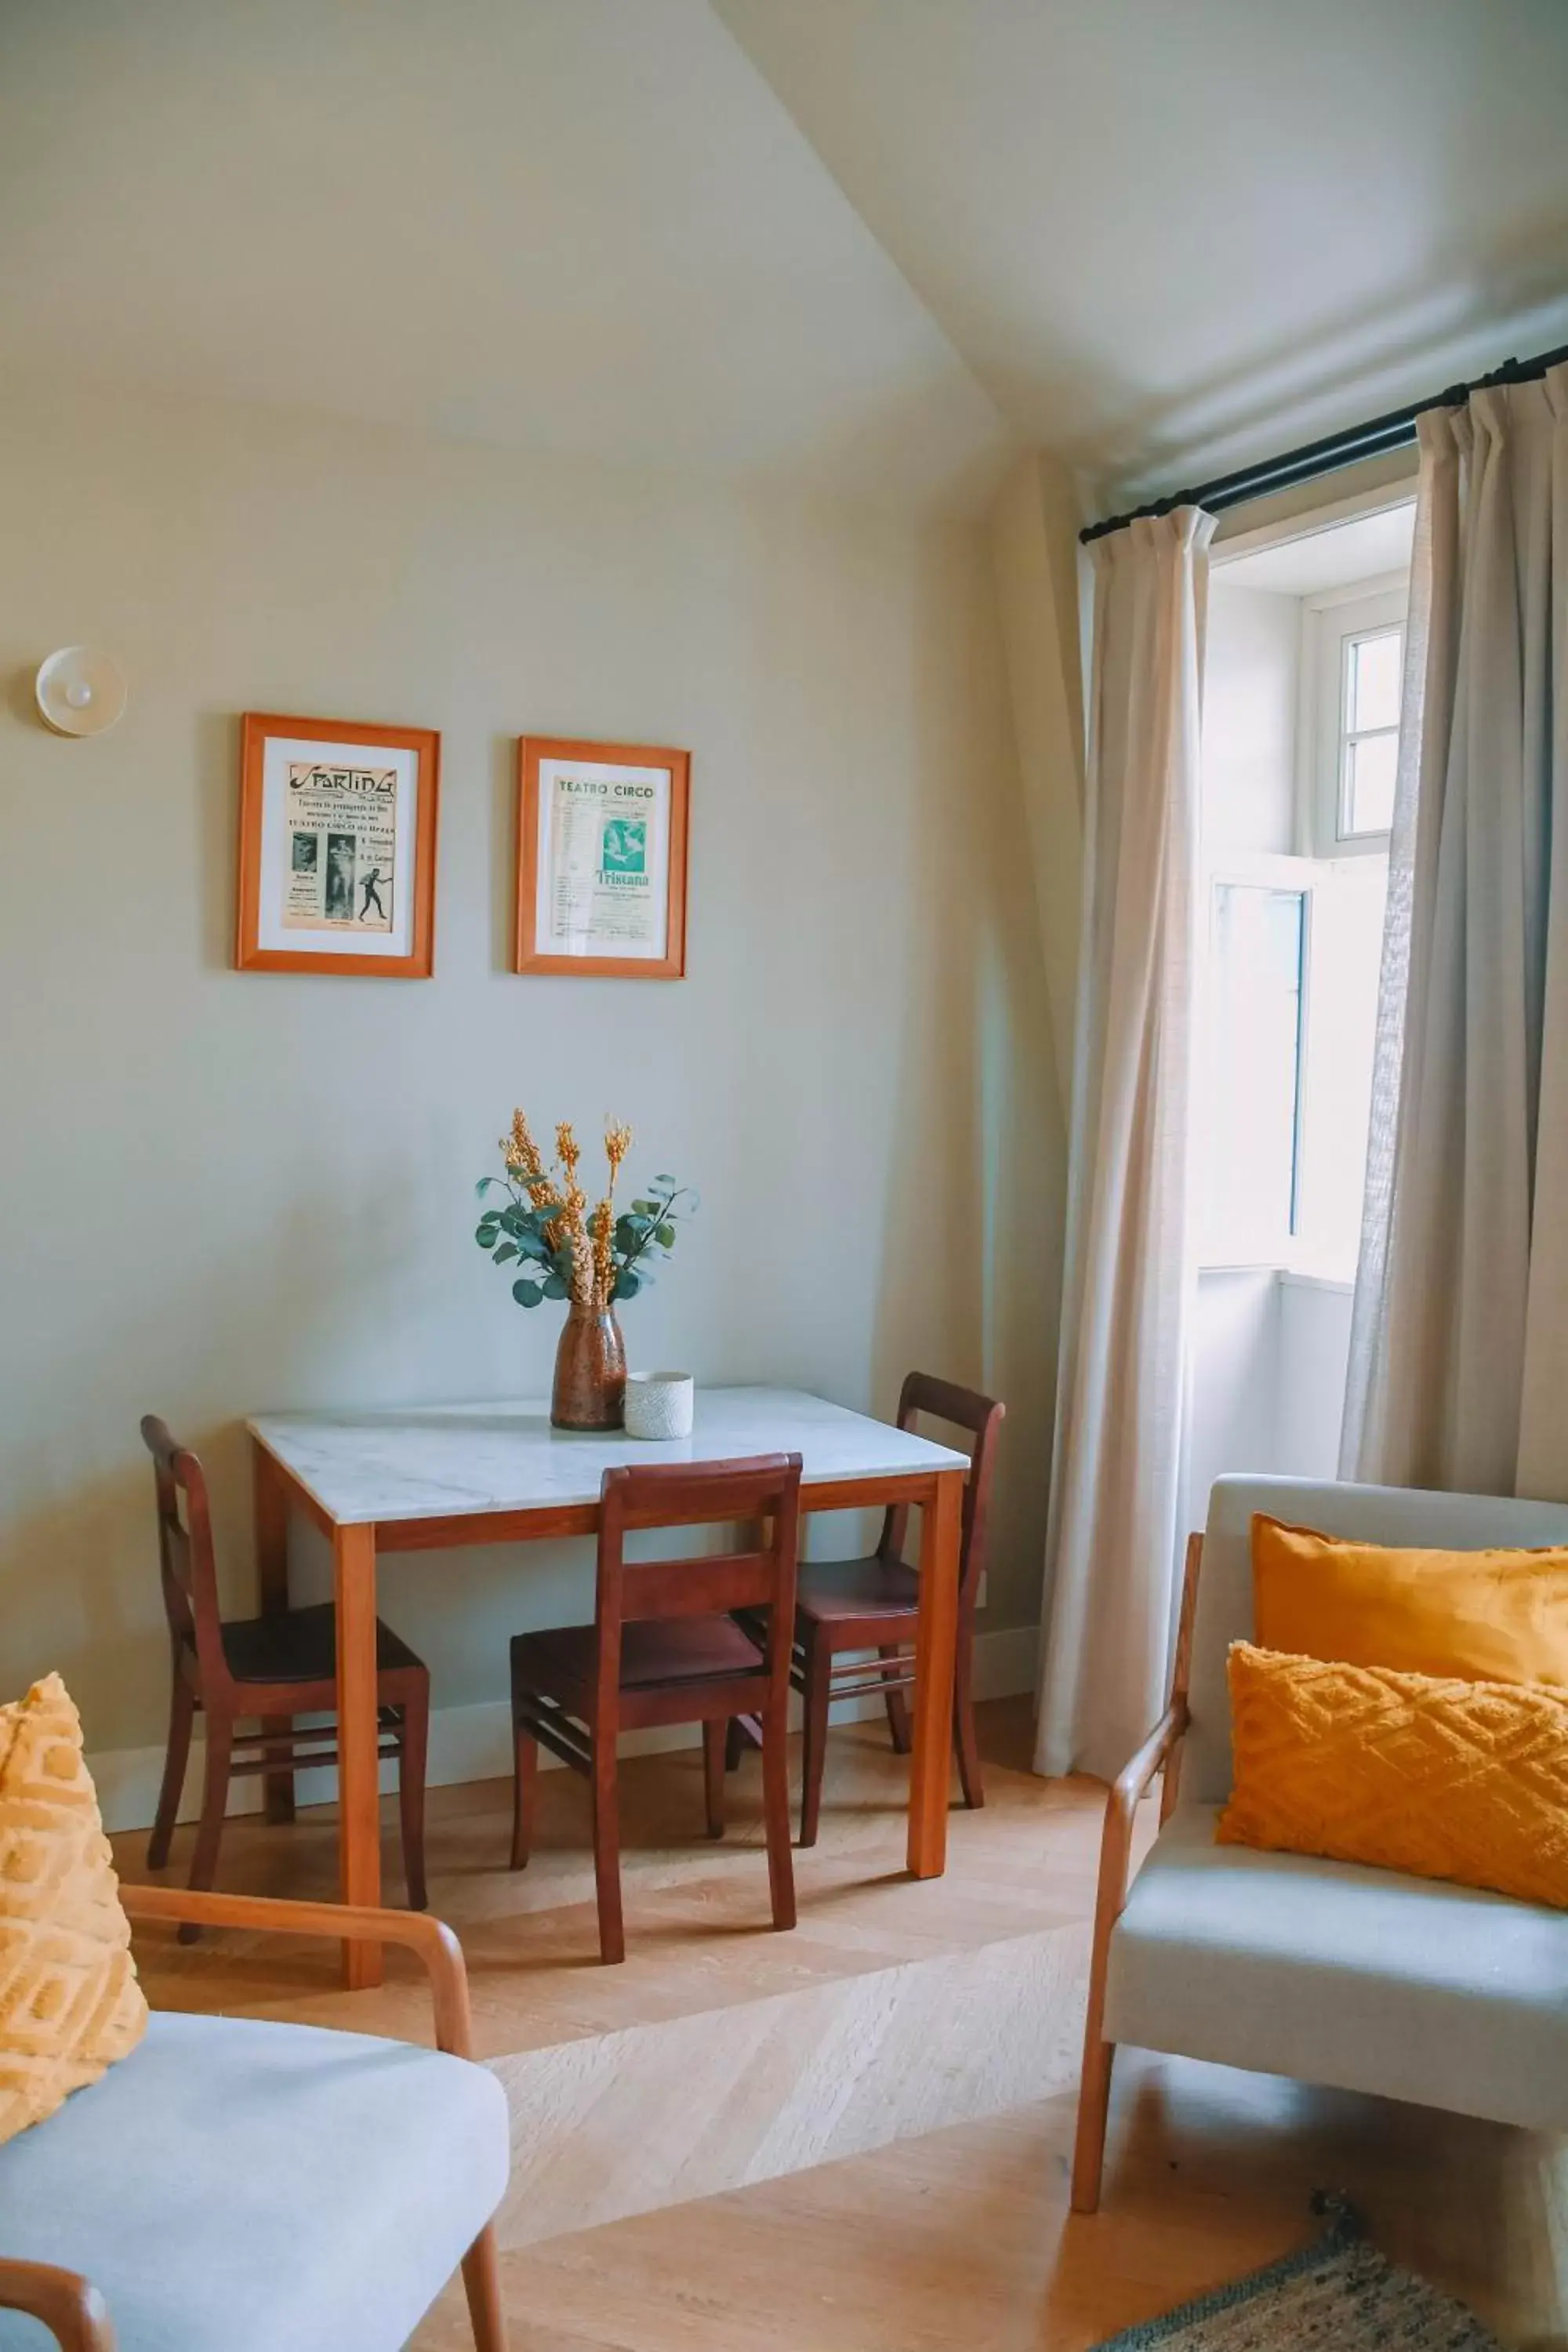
{"points": [[1093, 2108], [607, 1852], [775, 1815], [214, 1803], [897, 1709], [963, 1735], [182, 1713], [814, 1741], [481, 2284], [413, 1749], [524, 1782], [715, 1737], [734, 1744]]}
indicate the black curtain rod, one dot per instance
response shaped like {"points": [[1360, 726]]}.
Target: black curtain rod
{"points": [[1394, 431]]}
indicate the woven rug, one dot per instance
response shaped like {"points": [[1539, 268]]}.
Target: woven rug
{"points": [[1338, 2295]]}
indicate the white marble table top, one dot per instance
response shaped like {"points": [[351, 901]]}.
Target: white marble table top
{"points": [[423, 1461]]}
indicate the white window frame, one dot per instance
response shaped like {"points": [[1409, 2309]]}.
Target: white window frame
{"points": [[1329, 621], [1259, 870]]}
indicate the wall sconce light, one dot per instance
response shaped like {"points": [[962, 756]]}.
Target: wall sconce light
{"points": [[79, 692]]}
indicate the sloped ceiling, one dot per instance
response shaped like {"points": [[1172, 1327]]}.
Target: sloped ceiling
{"points": [[872, 246], [582, 227], [1171, 237]]}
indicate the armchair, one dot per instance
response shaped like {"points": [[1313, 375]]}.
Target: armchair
{"points": [[235, 2185], [1326, 1971]]}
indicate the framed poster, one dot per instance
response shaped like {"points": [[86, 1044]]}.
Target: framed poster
{"points": [[337, 847], [601, 862]]}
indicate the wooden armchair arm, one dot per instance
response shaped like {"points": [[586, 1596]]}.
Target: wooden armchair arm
{"points": [[1130, 1787], [1160, 1750], [70, 2306], [434, 1941]]}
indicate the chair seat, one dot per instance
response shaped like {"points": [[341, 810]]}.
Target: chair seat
{"points": [[666, 1650], [1331, 1972], [253, 2186], [301, 1646], [847, 1592]]}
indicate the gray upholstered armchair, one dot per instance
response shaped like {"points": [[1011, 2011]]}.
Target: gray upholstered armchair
{"points": [[1325, 1971], [235, 2185]]}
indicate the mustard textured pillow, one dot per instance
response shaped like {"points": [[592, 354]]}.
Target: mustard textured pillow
{"points": [[69, 2002], [1463, 1780], [1485, 1616]]}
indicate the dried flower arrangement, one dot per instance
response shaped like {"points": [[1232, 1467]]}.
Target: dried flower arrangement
{"points": [[590, 1256]]}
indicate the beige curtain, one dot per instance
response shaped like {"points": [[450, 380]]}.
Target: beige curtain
{"points": [[1459, 1347], [1111, 1539]]}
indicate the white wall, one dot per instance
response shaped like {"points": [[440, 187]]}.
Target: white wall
{"points": [[1250, 669], [223, 1192], [1314, 1354], [1233, 1388], [1269, 1358]]}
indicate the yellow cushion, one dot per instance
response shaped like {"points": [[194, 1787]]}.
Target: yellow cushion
{"points": [[1487, 1616], [69, 2002], [1465, 1780]]}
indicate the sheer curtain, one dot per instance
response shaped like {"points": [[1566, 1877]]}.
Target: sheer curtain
{"points": [[1110, 1545], [1459, 1374]]}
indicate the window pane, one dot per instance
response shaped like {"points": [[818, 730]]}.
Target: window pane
{"points": [[1256, 1039], [1336, 1077], [1369, 765], [1376, 664]]}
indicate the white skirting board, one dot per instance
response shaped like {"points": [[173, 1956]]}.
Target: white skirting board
{"points": [[474, 1743]]}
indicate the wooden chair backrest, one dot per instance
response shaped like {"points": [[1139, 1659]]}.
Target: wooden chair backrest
{"points": [[188, 1569], [981, 1416], [764, 1486]]}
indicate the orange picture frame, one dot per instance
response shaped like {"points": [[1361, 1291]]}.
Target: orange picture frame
{"points": [[531, 954], [260, 923]]}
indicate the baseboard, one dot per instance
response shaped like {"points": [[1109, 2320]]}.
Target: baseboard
{"points": [[474, 1743]]}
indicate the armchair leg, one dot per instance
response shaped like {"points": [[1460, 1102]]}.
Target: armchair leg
{"points": [[1093, 2108], [481, 2284]]}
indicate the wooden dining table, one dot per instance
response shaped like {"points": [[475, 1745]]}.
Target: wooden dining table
{"points": [[438, 1478]]}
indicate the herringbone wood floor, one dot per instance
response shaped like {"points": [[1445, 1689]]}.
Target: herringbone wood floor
{"points": [[856, 2136]]}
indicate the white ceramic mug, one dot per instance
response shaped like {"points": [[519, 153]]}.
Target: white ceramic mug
{"points": [[659, 1405]]}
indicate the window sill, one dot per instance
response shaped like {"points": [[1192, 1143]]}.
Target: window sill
{"points": [[1298, 1278]]}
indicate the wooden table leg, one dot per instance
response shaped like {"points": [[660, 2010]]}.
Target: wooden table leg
{"points": [[936, 1638], [270, 1501], [359, 1771]]}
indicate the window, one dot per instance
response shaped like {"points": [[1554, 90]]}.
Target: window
{"points": [[1353, 670], [1256, 973], [1369, 734], [1301, 742]]}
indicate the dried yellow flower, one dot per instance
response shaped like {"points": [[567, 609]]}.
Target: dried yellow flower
{"points": [[524, 1162]]}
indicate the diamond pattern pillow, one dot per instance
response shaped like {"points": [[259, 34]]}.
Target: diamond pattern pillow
{"points": [[1463, 1780], [69, 2002]]}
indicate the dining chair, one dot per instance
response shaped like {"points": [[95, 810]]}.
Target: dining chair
{"points": [[265, 1670], [857, 1605], [663, 1649]]}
